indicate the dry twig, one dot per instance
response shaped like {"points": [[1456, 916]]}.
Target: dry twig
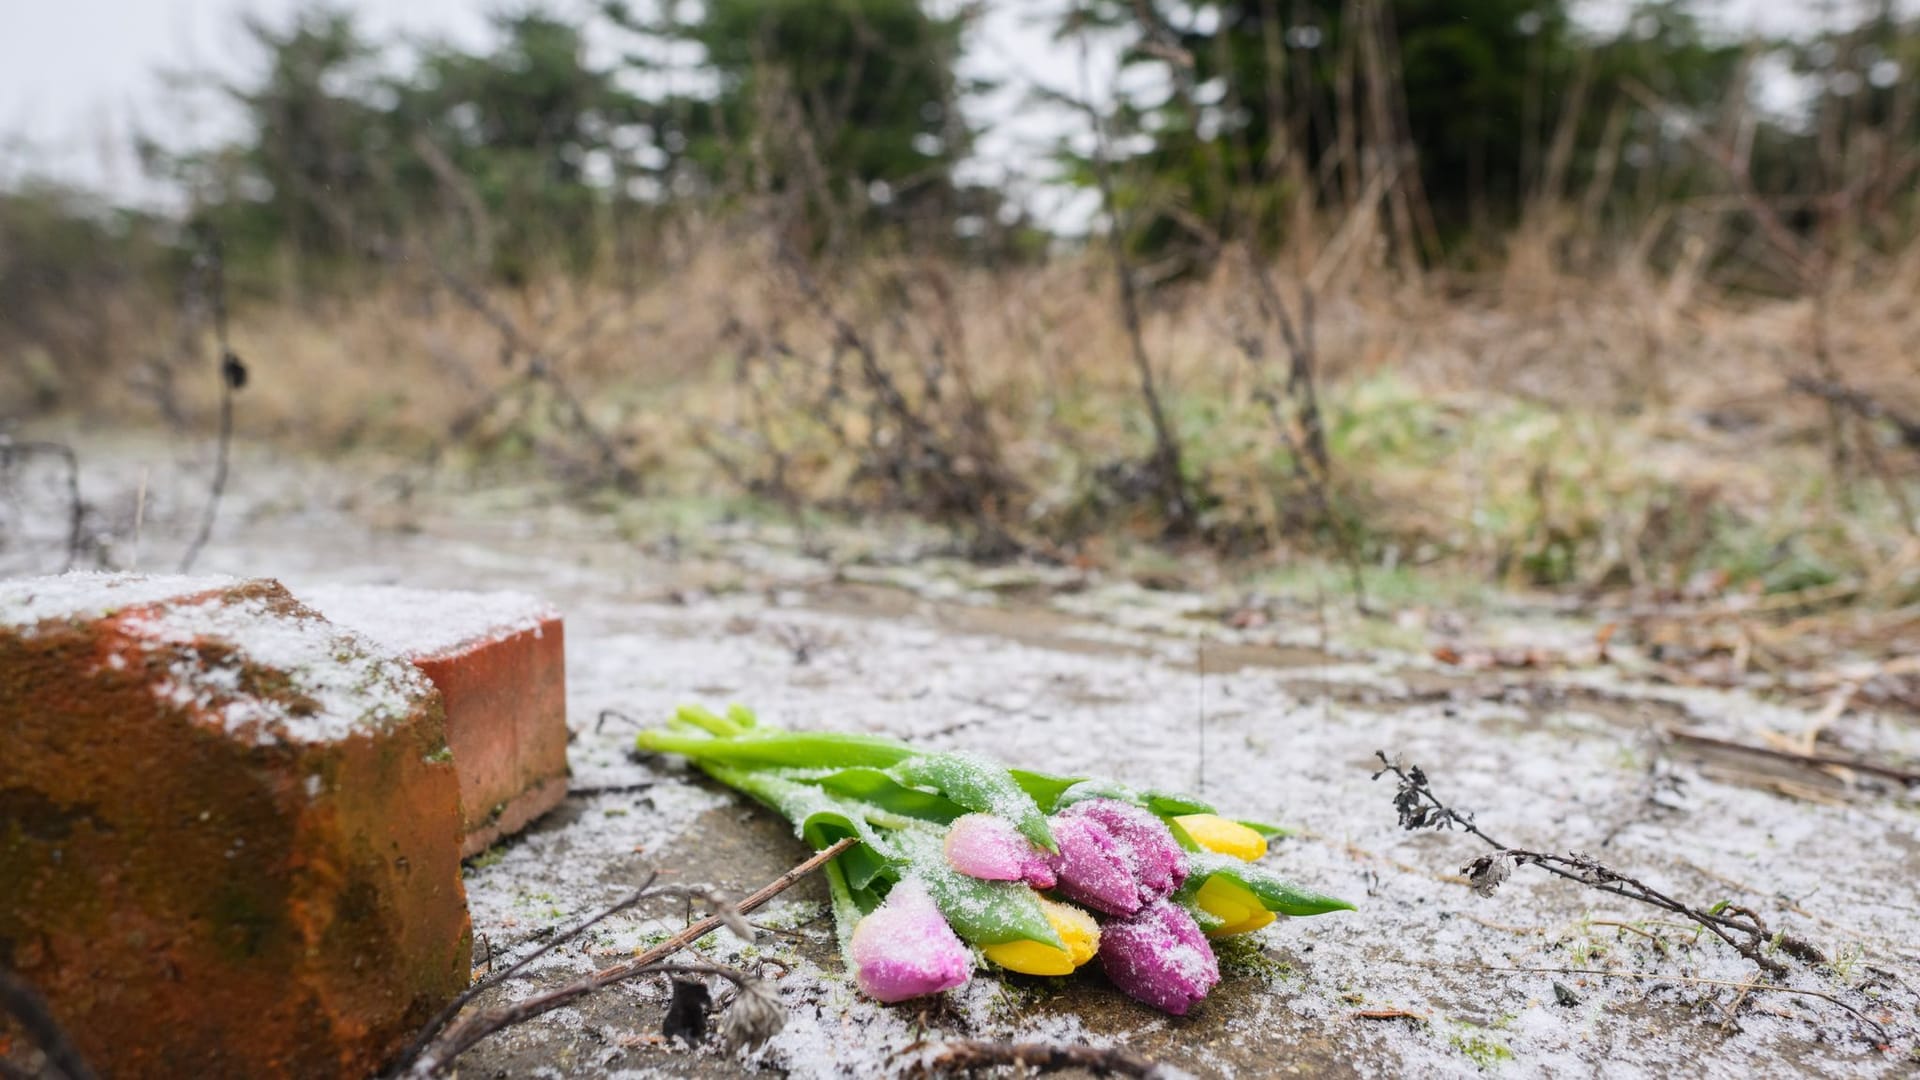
{"points": [[1741, 928], [1904, 776], [443, 1042], [211, 280]]}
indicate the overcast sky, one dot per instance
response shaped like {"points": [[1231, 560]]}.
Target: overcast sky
{"points": [[78, 76]]}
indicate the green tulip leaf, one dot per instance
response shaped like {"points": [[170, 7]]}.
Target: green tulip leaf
{"points": [[757, 747], [876, 787], [1162, 803], [981, 785], [981, 912], [1045, 788]]}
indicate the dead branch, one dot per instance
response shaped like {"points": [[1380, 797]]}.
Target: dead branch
{"points": [[541, 366], [1168, 470], [493, 978], [438, 1050], [1909, 777], [1861, 404], [210, 279], [949, 465], [1741, 928], [969, 1055], [21, 1001]]}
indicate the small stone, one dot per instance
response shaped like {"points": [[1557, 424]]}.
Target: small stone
{"points": [[499, 661], [228, 829]]}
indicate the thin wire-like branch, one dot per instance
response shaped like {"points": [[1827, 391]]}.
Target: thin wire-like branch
{"points": [[541, 365], [440, 1052], [233, 377], [1909, 777], [1860, 404], [494, 978], [1169, 473], [21, 1001], [217, 489], [1741, 928]]}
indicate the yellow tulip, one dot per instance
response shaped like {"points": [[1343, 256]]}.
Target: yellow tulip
{"points": [[1239, 911], [1077, 931], [1215, 833]]}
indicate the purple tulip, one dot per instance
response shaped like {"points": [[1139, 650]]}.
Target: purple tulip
{"points": [[1158, 863], [904, 949], [1092, 867], [1159, 957], [1114, 857], [990, 848]]}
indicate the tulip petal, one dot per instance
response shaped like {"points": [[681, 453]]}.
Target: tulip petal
{"points": [[990, 848], [1092, 868], [1159, 957], [1215, 833], [1236, 908], [904, 949], [1154, 858], [1275, 893], [1079, 935]]}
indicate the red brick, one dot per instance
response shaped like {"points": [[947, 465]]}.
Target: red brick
{"points": [[228, 829], [499, 660]]}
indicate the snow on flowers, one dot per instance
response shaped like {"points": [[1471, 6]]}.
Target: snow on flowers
{"points": [[963, 860]]}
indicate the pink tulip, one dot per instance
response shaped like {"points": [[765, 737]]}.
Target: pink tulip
{"points": [[990, 848], [1159, 957], [904, 949]]}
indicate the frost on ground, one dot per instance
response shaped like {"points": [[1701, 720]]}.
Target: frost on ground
{"points": [[1426, 979]]}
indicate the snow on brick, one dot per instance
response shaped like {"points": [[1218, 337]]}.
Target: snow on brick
{"points": [[428, 622], [26, 602], [231, 840], [499, 660]]}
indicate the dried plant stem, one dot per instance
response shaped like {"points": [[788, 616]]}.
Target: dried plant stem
{"points": [[1904, 776], [439, 1054], [1169, 473], [212, 278], [1861, 404], [217, 489], [1741, 928]]}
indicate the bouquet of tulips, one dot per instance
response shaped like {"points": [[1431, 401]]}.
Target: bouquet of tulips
{"points": [[1037, 873]]}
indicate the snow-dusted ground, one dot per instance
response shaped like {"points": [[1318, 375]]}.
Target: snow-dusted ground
{"points": [[1110, 680]]}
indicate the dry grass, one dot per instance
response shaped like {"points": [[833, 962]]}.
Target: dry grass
{"points": [[1602, 429]]}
